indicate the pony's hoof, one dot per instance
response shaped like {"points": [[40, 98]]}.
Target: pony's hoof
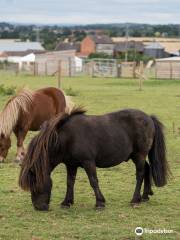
{"points": [[1, 160], [151, 192], [17, 161], [145, 199], [99, 208], [136, 202], [65, 206], [135, 205]]}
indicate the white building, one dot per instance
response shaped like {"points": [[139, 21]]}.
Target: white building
{"points": [[10, 46]]}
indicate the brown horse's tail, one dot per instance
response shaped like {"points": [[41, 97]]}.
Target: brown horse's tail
{"points": [[69, 104], [157, 156]]}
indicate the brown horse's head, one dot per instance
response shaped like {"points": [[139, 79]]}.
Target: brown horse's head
{"points": [[5, 144]]}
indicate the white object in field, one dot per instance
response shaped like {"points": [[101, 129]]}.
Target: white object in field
{"points": [[78, 64], [149, 64]]}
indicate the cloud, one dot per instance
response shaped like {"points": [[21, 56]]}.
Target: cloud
{"points": [[90, 11]]}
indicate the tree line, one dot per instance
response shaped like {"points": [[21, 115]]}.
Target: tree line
{"points": [[50, 35]]}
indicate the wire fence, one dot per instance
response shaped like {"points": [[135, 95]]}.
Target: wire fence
{"points": [[106, 68]]}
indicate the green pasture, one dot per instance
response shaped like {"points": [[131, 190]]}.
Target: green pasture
{"points": [[18, 219]]}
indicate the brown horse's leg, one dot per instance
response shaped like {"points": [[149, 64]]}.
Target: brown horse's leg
{"points": [[140, 163], [147, 183], [90, 169], [20, 135], [71, 177]]}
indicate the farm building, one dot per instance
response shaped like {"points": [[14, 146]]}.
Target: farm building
{"points": [[45, 63], [97, 43], [16, 56], [123, 47], [50, 63], [168, 68], [155, 50], [21, 59], [19, 46], [171, 45], [13, 51], [63, 46]]}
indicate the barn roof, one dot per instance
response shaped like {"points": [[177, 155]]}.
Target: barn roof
{"points": [[101, 39], [154, 45], [19, 46], [171, 45], [21, 53], [62, 46], [123, 46]]}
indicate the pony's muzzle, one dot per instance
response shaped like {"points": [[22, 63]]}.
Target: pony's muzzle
{"points": [[41, 207]]}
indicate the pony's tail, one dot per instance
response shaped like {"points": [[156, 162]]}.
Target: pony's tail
{"points": [[69, 104], [157, 155]]}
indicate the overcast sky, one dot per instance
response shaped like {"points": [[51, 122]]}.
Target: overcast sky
{"points": [[90, 11]]}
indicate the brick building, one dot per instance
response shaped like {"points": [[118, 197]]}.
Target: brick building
{"points": [[97, 43]]}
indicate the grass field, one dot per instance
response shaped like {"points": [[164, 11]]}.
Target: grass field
{"points": [[18, 220]]}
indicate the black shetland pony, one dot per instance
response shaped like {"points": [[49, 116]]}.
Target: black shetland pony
{"points": [[79, 140]]}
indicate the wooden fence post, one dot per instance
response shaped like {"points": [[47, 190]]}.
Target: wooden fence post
{"points": [[17, 69], [171, 70], [59, 74], [37, 69], [46, 68], [70, 66], [34, 69], [155, 70], [141, 70], [93, 69]]}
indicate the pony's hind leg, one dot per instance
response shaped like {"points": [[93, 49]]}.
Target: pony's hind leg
{"points": [[147, 183], [139, 162], [90, 169], [71, 177]]}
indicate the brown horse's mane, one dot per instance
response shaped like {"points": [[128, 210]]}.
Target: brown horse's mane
{"points": [[10, 114], [35, 166]]}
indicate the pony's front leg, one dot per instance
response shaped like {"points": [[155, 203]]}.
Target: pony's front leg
{"points": [[90, 169], [20, 153], [20, 134], [71, 177], [140, 163]]}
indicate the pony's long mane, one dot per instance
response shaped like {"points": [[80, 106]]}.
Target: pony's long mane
{"points": [[36, 164], [10, 114]]}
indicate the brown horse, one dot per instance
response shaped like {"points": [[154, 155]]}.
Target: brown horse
{"points": [[27, 111]]}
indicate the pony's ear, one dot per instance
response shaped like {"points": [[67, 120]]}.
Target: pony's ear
{"points": [[2, 135]]}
